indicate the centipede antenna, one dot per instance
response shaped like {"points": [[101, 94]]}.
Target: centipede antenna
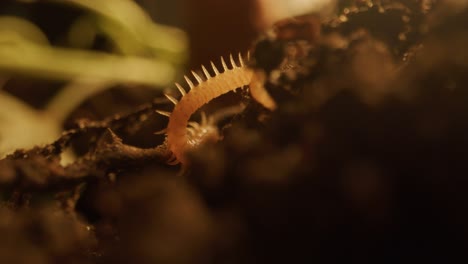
{"points": [[233, 63], [194, 125], [172, 99], [205, 71], [164, 113], [214, 68], [160, 132], [241, 61], [181, 89], [199, 79], [190, 131], [224, 64], [190, 83], [203, 118]]}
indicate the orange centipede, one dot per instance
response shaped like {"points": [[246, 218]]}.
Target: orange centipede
{"points": [[183, 135]]}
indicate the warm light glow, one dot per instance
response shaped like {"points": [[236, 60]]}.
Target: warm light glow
{"points": [[274, 10]]}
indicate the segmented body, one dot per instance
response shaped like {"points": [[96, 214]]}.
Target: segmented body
{"points": [[182, 134]]}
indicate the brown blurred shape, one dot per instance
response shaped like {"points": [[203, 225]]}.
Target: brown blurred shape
{"points": [[217, 28]]}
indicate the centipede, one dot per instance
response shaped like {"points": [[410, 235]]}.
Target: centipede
{"points": [[183, 135]]}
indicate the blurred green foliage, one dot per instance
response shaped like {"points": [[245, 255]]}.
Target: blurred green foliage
{"points": [[142, 52]]}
